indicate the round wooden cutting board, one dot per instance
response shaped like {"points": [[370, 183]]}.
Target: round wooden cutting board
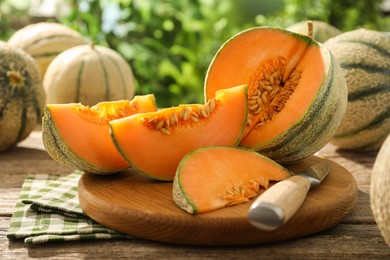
{"points": [[131, 203]]}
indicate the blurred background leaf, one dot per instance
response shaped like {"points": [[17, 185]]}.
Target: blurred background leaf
{"points": [[170, 43]]}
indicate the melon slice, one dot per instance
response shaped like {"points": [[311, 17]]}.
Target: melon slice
{"points": [[297, 93], [215, 177], [78, 136], [154, 143]]}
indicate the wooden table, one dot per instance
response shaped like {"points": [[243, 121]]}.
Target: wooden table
{"points": [[357, 236]]}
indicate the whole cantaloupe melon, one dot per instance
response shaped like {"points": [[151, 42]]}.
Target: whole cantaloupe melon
{"points": [[44, 41], [380, 190], [88, 74], [322, 31], [364, 56], [21, 96]]}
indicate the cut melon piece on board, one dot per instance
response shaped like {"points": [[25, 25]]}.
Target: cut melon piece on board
{"points": [[215, 177]]}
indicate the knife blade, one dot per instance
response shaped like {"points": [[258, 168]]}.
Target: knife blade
{"points": [[278, 204]]}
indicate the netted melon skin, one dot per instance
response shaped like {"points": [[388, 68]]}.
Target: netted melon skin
{"points": [[22, 96], [380, 190], [364, 56]]}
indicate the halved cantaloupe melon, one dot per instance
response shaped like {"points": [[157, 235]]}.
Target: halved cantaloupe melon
{"points": [[297, 93], [215, 177], [78, 136], [154, 143]]}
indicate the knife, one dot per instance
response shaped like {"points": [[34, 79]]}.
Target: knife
{"points": [[278, 204]]}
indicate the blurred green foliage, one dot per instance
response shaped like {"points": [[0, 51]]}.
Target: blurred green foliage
{"points": [[170, 43]]}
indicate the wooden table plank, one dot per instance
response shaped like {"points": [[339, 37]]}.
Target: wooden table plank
{"points": [[340, 242], [356, 237]]}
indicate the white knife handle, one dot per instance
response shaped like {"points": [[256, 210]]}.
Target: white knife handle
{"points": [[279, 203]]}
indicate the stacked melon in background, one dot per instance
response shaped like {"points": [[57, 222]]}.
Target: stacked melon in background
{"points": [[73, 70], [52, 63], [364, 56], [44, 41]]}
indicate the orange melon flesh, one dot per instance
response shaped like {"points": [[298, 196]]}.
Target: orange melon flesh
{"points": [[215, 177], [238, 59], [157, 155], [85, 130]]}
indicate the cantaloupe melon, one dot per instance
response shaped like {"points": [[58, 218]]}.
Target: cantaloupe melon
{"points": [[214, 177], [154, 143], [364, 56], [44, 41], [22, 96], [88, 74], [78, 136], [380, 190], [296, 90]]}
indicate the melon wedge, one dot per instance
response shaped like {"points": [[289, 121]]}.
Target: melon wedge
{"points": [[78, 136], [215, 177], [297, 93], [154, 143]]}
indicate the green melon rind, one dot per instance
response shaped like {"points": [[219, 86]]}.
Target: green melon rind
{"points": [[61, 152], [364, 56], [319, 123], [179, 195]]}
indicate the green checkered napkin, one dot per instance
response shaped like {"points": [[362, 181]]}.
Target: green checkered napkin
{"points": [[48, 210]]}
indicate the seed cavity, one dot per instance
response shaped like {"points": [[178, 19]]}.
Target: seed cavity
{"points": [[104, 112], [180, 116], [241, 192], [268, 91]]}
